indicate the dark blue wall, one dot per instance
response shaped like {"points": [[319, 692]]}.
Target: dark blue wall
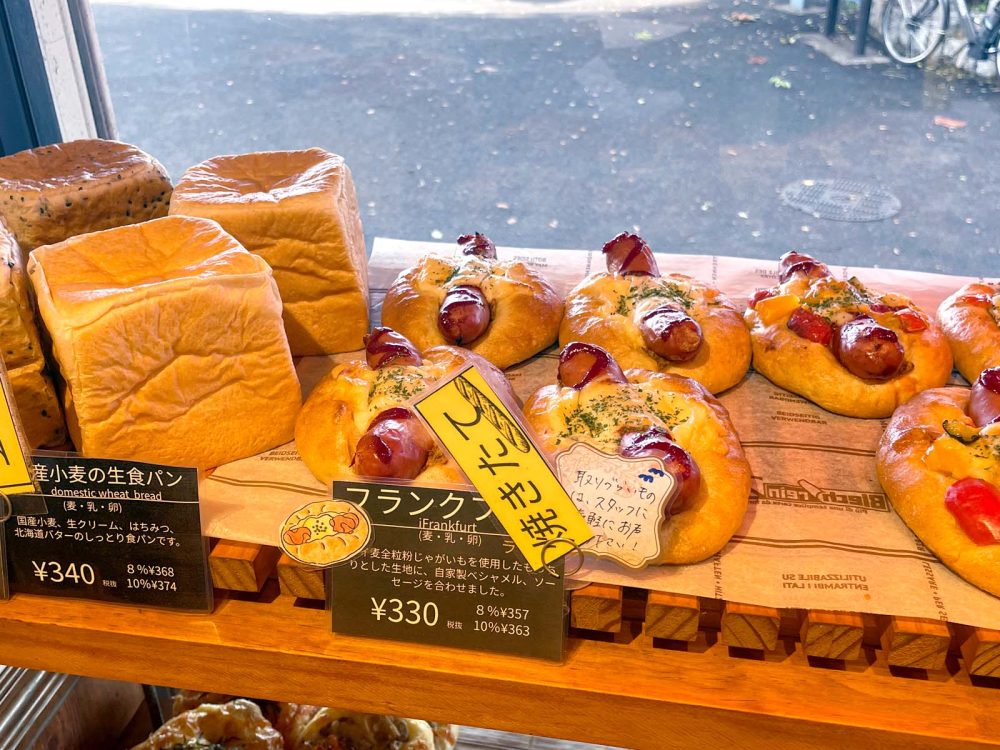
{"points": [[27, 114]]}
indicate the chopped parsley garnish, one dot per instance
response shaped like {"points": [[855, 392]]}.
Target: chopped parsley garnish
{"points": [[673, 292], [397, 383], [840, 295], [607, 417]]}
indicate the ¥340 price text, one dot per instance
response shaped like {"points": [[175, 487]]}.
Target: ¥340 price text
{"points": [[54, 572]]}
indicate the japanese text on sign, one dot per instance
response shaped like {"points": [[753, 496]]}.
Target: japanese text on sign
{"points": [[440, 570], [490, 446], [107, 530], [624, 500]]}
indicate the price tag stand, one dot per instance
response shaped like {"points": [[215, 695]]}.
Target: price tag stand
{"points": [[439, 569], [110, 531]]}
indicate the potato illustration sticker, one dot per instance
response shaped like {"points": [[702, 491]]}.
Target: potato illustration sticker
{"points": [[326, 532]]}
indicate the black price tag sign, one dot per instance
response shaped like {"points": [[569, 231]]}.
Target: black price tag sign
{"points": [[110, 531], [439, 569]]}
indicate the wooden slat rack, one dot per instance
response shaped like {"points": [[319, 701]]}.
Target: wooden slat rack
{"points": [[658, 671]]}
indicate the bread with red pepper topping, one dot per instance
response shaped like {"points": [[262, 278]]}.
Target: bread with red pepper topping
{"points": [[939, 463], [850, 349], [970, 319]]}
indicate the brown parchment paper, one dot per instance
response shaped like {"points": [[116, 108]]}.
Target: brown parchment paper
{"points": [[819, 532]]}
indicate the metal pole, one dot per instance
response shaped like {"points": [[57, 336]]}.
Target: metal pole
{"points": [[861, 38], [831, 16]]}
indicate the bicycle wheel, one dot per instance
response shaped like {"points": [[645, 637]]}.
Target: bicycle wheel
{"points": [[912, 29]]}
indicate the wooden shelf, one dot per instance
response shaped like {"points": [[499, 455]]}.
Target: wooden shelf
{"points": [[627, 690]]}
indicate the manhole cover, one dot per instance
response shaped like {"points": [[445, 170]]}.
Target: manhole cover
{"points": [[841, 200]]}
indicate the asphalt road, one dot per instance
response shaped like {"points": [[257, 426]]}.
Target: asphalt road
{"points": [[555, 130]]}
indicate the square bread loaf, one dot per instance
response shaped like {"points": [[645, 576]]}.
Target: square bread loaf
{"points": [[38, 406], [51, 193], [299, 211], [168, 336], [22, 353]]}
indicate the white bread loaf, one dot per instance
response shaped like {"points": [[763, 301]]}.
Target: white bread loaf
{"points": [[299, 211], [21, 349], [168, 335], [51, 193]]}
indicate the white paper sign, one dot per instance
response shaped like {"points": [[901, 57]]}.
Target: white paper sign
{"points": [[624, 500]]}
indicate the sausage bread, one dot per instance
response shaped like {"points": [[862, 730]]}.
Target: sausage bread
{"points": [[502, 310], [666, 323], [852, 350]]}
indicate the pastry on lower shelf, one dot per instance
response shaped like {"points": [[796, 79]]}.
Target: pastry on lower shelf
{"points": [[237, 725], [667, 323], [356, 421], [298, 210], [852, 350], [639, 413], [502, 310], [169, 339], [939, 463], [51, 193], [314, 728], [970, 319]]}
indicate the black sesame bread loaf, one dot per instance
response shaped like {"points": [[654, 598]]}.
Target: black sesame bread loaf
{"points": [[51, 193]]}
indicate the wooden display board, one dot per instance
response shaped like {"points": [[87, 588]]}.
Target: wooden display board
{"points": [[626, 688]]}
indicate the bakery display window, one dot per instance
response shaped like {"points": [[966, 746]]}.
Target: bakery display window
{"points": [[423, 296]]}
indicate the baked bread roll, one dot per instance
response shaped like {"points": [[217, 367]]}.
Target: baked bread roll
{"points": [[970, 319], [298, 210], [34, 393], [665, 323], [501, 310], [852, 350], [51, 193], [238, 725], [939, 464], [168, 336], [356, 421], [314, 728], [639, 413]]}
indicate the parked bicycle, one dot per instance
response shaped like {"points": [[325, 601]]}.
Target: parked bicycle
{"points": [[912, 29]]}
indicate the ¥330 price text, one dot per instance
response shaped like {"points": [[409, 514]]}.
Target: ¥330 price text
{"points": [[409, 611]]}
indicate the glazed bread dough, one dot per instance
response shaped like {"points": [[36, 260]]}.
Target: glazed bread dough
{"points": [[341, 406], [604, 309], [298, 210], [810, 369], [601, 412], [525, 309], [51, 193], [34, 393], [973, 330], [238, 725], [168, 336], [918, 461], [314, 728]]}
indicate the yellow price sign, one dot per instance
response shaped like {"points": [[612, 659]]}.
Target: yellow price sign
{"points": [[493, 449], [16, 475]]}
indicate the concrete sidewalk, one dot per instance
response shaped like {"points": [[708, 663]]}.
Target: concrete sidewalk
{"points": [[559, 130]]}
